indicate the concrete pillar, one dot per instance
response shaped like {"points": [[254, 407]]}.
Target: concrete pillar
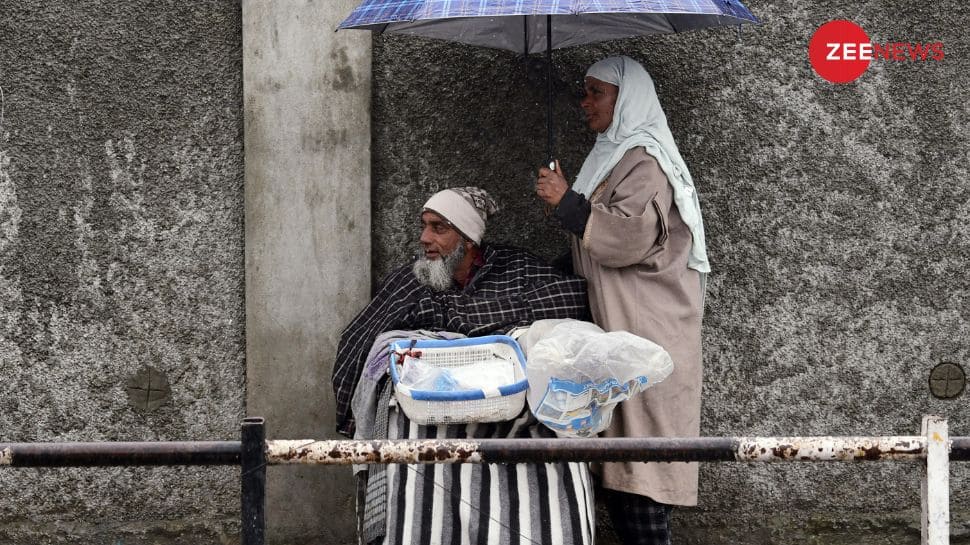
{"points": [[307, 144]]}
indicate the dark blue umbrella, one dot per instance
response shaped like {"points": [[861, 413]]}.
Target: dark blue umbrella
{"points": [[535, 26]]}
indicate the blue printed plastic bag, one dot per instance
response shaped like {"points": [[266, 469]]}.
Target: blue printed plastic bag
{"points": [[578, 373]]}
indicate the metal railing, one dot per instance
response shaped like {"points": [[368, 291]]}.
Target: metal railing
{"points": [[933, 449]]}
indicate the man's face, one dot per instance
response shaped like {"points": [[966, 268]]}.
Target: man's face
{"points": [[438, 237]]}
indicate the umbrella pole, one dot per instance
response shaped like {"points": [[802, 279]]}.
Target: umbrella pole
{"points": [[550, 138]]}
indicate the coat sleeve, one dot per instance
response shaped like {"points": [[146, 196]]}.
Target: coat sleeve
{"points": [[628, 226], [390, 308]]}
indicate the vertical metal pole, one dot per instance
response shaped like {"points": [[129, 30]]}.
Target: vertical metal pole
{"points": [[549, 133], [525, 38], [253, 477], [935, 488]]}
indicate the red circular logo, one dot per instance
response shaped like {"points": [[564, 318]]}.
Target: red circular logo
{"points": [[840, 51]]}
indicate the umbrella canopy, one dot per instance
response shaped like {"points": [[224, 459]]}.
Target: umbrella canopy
{"points": [[523, 25], [534, 26]]}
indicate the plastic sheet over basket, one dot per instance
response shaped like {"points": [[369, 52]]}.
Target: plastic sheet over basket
{"points": [[578, 373], [445, 382]]}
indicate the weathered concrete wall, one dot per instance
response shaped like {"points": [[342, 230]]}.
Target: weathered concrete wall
{"points": [[837, 225], [307, 97], [121, 247]]}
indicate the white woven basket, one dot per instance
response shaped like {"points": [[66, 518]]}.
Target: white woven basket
{"points": [[464, 406]]}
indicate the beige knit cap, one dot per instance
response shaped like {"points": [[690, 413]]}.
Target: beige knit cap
{"points": [[466, 208]]}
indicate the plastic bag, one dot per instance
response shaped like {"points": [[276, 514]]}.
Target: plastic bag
{"points": [[578, 373], [419, 375], [489, 374]]}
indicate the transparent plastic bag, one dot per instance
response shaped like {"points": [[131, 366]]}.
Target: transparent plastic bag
{"points": [[578, 373], [490, 374], [419, 375]]}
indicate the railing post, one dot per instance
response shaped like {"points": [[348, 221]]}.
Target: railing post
{"points": [[253, 477], [935, 488]]}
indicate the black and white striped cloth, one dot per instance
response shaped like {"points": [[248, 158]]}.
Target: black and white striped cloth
{"points": [[511, 288], [493, 504]]}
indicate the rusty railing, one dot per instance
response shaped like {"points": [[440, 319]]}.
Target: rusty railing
{"points": [[933, 449]]}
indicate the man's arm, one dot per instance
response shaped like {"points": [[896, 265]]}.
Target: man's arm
{"points": [[390, 307]]}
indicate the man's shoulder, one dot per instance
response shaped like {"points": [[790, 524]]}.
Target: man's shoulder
{"points": [[398, 277], [507, 252], [508, 257], [401, 270]]}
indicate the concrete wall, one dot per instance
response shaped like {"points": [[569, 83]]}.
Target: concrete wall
{"points": [[837, 227], [121, 248], [307, 97], [122, 254]]}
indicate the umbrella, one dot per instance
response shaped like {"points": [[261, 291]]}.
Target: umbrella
{"points": [[536, 26]]}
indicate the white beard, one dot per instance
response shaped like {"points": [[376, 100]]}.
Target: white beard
{"points": [[438, 274]]}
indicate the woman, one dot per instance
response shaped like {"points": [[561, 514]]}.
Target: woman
{"points": [[639, 241]]}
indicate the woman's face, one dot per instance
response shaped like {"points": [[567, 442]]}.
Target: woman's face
{"points": [[598, 103]]}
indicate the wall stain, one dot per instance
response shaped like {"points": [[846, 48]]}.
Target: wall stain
{"points": [[344, 79], [329, 139]]}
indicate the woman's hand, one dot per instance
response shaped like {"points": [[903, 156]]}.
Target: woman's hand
{"points": [[551, 185]]}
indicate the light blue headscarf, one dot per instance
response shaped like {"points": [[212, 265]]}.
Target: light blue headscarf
{"points": [[638, 120]]}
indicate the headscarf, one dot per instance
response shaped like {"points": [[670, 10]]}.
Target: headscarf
{"points": [[638, 120], [465, 208]]}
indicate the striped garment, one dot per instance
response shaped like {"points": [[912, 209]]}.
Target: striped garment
{"points": [[511, 288], [494, 504]]}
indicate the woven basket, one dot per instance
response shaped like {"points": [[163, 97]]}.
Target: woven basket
{"points": [[427, 407]]}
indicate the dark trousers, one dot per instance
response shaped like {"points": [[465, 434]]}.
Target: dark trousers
{"points": [[638, 520]]}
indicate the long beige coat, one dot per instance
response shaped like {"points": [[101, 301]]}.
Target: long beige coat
{"points": [[634, 256]]}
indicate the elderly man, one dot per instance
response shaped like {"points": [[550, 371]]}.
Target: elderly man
{"points": [[459, 287]]}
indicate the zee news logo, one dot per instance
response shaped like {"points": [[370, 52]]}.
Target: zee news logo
{"points": [[840, 51]]}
